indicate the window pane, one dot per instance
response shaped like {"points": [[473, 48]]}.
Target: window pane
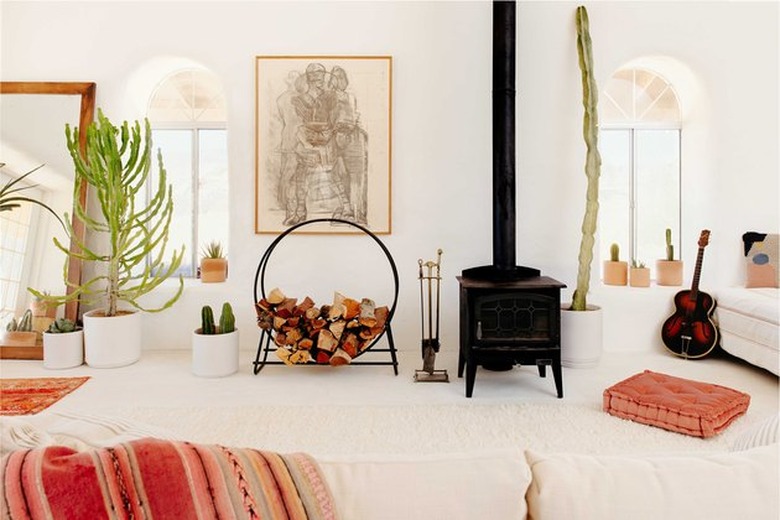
{"points": [[213, 187], [176, 147], [657, 191], [614, 146]]}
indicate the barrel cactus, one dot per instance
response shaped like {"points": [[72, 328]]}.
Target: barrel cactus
{"points": [[227, 321]]}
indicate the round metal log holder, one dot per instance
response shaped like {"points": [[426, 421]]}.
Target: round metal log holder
{"points": [[266, 345]]}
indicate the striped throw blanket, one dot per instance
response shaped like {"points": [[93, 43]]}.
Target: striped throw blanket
{"points": [[158, 479]]}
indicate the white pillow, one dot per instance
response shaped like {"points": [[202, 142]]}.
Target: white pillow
{"points": [[429, 487], [763, 433], [732, 485]]}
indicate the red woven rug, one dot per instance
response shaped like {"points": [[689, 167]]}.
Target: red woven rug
{"points": [[29, 396]]}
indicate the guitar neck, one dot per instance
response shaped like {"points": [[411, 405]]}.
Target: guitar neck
{"points": [[697, 274]]}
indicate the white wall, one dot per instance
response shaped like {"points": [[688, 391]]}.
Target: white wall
{"points": [[441, 124]]}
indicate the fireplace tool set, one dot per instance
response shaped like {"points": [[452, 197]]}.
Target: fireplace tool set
{"points": [[430, 296]]}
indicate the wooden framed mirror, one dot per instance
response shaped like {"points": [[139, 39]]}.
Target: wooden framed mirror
{"points": [[35, 114]]}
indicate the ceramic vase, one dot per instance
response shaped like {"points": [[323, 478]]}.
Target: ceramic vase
{"points": [[669, 272], [214, 355], [63, 350], [113, 341], [581, 337], [640, 277], [213, 270], [615, 273]]}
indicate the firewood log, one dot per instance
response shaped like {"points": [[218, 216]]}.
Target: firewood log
{"points": [[350, 345], [304, 306], [339, 358], [338, 308], [367, 309], [306, 344], [300, 356], [351, 308], [284, 355], [276, 296], [312, 313], [326, 341], [337, 328], [279, 322]]}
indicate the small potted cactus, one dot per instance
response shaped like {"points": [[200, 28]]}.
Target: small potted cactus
{"points": [[19, 333], [639, 274], [213, 264], [669, 271], [215, 346], [615, 269], [63, 345]]}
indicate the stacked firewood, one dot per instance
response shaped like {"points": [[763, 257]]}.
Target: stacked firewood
{"points": [[331, 334]]}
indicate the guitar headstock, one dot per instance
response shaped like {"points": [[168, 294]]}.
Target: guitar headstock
{"points": [[704, 238]]}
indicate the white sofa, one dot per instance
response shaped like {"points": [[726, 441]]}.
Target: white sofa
{"points": [[516, 484], [749, 323]]}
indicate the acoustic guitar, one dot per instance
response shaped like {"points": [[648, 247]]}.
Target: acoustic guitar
{"points": [[690, 332]]}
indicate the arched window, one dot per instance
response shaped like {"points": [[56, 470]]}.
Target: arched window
{"points": [[188, 115], [639, 141]]}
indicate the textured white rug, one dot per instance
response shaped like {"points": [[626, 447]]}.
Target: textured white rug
{"points": [[418, 429]]}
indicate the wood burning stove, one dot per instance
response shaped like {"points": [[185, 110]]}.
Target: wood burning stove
{"points": [[509, 314]]}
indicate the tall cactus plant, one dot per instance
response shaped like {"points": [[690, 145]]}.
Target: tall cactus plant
{"points": [[592, 160], [131, 263]]}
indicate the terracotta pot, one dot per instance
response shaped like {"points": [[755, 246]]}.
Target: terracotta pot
{"points": [[214, 355], [640, 277], [42, 309], [615, 273], [669, 272], [213, 270]]}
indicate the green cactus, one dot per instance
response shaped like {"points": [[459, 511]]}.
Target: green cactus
{"points": [[227, 321], [637, 264], [61, 326], [669, 246], [207, 320], [592, 160], [614, 252], [23, 325]]}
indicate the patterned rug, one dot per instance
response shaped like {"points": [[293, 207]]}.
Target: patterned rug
{"points": [[29, 396]]}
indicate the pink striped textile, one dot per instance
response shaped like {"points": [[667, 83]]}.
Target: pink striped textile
{"points": [[159, 479]]}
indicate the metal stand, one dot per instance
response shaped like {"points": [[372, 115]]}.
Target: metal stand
{"points": [[430, 343], [265, 345]]}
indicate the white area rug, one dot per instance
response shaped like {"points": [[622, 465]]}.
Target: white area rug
{"points": [[421, 429]]}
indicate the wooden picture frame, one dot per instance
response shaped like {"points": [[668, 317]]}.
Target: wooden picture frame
{"points": [[323, 142]]}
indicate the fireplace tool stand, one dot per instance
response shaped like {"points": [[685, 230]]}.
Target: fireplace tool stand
{"points": [[430, 343]]}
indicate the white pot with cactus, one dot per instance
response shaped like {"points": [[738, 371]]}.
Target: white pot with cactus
{"points": [[215, 347], [581, 323], [131, 236], [63, 345]]}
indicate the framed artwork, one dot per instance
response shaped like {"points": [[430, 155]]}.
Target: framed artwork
{"points": [[323, 142]]}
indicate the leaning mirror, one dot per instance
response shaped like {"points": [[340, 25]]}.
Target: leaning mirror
{"points": [[33, 116]]}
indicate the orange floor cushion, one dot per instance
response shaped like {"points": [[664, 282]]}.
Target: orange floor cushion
{"points": [[673, 403]]}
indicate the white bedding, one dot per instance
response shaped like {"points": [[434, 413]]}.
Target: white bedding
{"points": [[749, 323]]}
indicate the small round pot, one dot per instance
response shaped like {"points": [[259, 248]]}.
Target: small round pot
{"points": [[640, 277], [615, 273], [214, 355], [113, 341], [63, 350], [669, 272], [213, 270]]}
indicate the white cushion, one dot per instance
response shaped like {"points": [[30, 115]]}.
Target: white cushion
{"points": [[729, 485], [430, 487]]}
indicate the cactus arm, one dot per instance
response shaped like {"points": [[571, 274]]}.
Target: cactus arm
{"points": [[227, 321], [669, 246], [207, 320], [614, 253], [592, 160]]}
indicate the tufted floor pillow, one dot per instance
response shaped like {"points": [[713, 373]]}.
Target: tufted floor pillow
{"points": [[673, 403]]}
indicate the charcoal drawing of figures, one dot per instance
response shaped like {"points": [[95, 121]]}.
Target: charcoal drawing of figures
{"points": [[323, 166]]}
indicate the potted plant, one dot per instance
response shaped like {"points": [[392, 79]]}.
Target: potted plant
{"points": [[640, 274], [19, 333], [615, 270], [215, 347], [11, 199], [581, 323], [213, 264], [129, 238], [63, 345], [669, 271]]}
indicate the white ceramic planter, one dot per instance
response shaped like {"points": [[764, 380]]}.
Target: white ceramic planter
{"points": [[111, 342], [214, 355], [581, 337], [63, 350]]}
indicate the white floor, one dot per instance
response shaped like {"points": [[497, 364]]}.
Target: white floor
{"points": [[161, 391]]}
